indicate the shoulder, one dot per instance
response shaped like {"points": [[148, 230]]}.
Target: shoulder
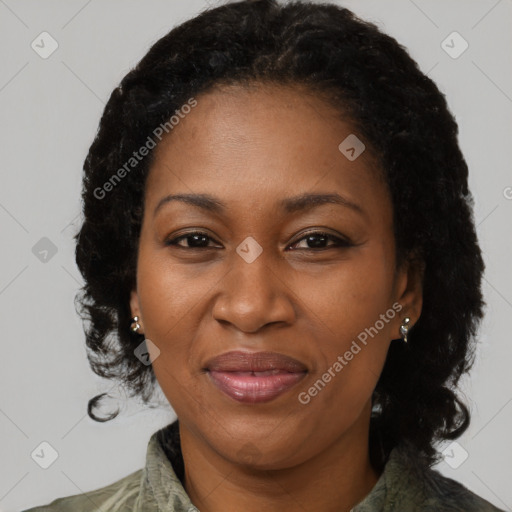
{"points": [[445, 494], [122, 493], [416, 487]]}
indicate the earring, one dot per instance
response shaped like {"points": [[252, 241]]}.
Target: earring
{"points": [[135, 326], [404, 328]]}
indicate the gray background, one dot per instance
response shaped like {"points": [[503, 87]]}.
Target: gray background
{"points": [[50, 109]]}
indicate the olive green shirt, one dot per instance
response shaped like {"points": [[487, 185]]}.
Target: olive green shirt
{"points": [[404, 486]]}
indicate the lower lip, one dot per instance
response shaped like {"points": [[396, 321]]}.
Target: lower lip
{"points": [[248, 388]]}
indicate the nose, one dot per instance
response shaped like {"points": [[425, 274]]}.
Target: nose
{"points": [[254, 293]]}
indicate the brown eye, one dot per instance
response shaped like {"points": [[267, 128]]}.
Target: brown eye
{"points": [[196, 240], [318, 239]]}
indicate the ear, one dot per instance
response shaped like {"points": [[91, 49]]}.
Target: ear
{"points": [[135, 307], [409, 290]]}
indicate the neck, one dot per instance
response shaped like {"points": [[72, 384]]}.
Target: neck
{"points": [[332, 481]]}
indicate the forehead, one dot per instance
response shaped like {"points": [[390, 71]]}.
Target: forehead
{"points": [[253, 145]]}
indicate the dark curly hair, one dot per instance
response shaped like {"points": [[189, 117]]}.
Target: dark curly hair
{"points": [[406, 124]]}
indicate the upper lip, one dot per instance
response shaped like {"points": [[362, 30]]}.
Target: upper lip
{"points": [[239, 361]]}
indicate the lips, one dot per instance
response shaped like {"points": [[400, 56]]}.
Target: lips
{"points": [[254, 377]]}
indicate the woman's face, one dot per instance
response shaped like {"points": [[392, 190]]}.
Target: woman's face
{"points": [[256, 279]]}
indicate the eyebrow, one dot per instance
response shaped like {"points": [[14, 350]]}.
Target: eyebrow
{"points": [[289, 205]]}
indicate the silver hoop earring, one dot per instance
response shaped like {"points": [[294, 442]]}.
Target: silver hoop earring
{"points": [[404, 328], [135, 326]]}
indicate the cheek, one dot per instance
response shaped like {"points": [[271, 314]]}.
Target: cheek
{"points": [[352, 307], [353, 295], [166, 305], [159, 295], [167, 298], [171, 298], [167, 308]]}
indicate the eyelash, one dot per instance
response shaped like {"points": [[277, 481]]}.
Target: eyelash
{"points": [[340, 242]]}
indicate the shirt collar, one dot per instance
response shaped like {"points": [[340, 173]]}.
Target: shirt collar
{"points": [[162, 489]]}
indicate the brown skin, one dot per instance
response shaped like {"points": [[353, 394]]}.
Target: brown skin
{"points": [[251, 148]]}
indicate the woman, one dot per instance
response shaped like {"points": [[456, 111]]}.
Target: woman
{"points": [[278, 229]]}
